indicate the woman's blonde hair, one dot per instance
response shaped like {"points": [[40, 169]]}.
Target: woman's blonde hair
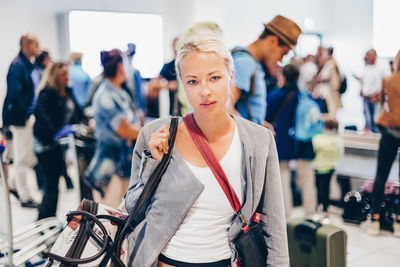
{"points": [[50, 75], [396, 62], [202, 27], [204, 43]]}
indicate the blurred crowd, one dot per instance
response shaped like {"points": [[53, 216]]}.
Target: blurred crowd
{"points": [[51, 102]]}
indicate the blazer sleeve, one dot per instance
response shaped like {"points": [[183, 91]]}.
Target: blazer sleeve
{"points": [[143, 166], [273, 220]]}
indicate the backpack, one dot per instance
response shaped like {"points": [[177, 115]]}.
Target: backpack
{"points": [[308, 120], [343, 85], [356, 207], [343, 81]]}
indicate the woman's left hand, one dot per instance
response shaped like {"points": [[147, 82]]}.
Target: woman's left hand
{"points": [[158, 143]]}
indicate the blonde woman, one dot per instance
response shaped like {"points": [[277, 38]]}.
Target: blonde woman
{"points": [[55, 109], [190, 221]]}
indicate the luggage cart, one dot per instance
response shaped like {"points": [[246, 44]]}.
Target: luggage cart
{"points": [[19, 246], [81, 150]]}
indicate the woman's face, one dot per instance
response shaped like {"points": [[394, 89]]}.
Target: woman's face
{"points": [[121, 71], [46, 61], [206, 81], [63, 77]]}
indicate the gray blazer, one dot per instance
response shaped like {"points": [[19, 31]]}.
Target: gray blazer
{"points": [[179, 189]]}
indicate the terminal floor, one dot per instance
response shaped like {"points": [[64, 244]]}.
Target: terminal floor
{"points": [[363, 250]]}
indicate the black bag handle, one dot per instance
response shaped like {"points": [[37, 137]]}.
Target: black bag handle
{"points": [[149, 189], [106, 243], [139, 211], [113, 249]]}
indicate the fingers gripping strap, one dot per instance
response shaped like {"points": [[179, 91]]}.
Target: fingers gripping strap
{"points": [[139, 210]]}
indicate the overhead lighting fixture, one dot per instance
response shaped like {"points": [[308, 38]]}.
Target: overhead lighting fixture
{"points": [[308, 24]]}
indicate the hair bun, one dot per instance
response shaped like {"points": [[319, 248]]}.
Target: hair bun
{"points": [[104, 56]]}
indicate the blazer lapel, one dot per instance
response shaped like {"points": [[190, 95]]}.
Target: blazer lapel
{"points": [[247, 149], [254, 166], [185, 189]]}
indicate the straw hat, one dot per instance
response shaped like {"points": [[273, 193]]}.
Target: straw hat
{"points": [[287, 30]]}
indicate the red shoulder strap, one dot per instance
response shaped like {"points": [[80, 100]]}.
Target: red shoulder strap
{"points": [[209, 156]]}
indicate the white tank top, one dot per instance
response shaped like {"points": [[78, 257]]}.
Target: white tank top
{"points": [[203, 235]]}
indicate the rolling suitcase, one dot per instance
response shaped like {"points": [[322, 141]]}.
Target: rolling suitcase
{"points": [[314, 244]]}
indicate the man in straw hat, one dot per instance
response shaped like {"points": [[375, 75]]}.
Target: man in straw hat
{"points": [[249, 93]]}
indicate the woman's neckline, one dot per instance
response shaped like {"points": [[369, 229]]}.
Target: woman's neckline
{"points": [[235, 135]]}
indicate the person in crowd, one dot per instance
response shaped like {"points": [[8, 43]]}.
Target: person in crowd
{"points": [[389, 126], [92, 89], [281, 113], [41, 62], [189, 221], [321, 56], [307, 72], [22, 81], [371, 87], [117, 126], [328, 148], [134, 80], [166, 79], [328, 83], [273, 78], [249, 94], [79, 79], [391, 66], [55, 111]]}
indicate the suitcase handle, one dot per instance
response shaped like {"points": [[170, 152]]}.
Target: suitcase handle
{"points": [[307, 231]]}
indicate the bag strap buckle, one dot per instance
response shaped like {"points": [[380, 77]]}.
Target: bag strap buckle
{"points": [[256, 217]]}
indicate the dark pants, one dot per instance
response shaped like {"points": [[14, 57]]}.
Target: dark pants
{"points": [[51, 162], [387, 153], [323, 182], [39, 176]]}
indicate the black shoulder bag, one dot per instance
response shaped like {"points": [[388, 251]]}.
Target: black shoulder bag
{"points": [[111, 249]]}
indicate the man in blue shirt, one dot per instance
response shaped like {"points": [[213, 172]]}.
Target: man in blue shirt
{"points": [[78, 78], [22, 81], [249, 93]]}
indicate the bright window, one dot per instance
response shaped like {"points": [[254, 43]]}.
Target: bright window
{"points": [[386, 24], [307, 44], [93, 31]]}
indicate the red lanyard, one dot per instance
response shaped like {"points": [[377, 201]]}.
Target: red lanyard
{"points": [[209, 156]]}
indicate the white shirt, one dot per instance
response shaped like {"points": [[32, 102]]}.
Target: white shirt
{"points": [[372, 77], [203, 235]]}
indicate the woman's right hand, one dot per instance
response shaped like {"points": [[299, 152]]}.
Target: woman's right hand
{"points": [[158, 143]]}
